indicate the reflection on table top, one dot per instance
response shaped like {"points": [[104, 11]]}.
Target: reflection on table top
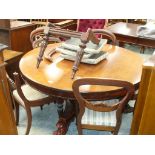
{"points": [[120, 64]]}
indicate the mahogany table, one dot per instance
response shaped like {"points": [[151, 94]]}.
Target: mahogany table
{"points": [[54, 78], [126, 33]]}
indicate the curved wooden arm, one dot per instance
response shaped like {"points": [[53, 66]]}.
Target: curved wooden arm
{"points": [[106, 33], [19, 90], [41, 32], [35, 32], [63, 32]]}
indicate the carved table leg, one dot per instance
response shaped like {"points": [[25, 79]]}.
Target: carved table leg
{"points": [[65, 116], [60, 107]]}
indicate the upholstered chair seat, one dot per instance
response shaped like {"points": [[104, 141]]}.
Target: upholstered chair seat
{"points": [[30, 93], [92, 117], [99, 118]]}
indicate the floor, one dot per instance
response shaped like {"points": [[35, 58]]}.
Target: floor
{"points": [[44, 120]]}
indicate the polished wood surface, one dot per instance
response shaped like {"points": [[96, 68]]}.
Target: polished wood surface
{"points": [[1, 56], [5, 23], [16, 35], [12, 61], [20, 37], [54, 77], [124, 29], [10, 55], [127, 33], [19, 24], [7, 120], [143, 120]]}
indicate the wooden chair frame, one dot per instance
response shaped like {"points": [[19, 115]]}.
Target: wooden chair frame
{"points": [[102, 107], [27, 104]]}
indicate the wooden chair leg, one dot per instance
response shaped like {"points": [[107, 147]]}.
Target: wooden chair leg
{"points": [[29, 120], [17, 112], [79, 129], [115, 132], [76, 111], [41, 107], [142, 49], [79, 126], [121, 44]]}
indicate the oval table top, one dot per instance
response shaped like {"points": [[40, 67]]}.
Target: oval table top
{"points": [[55, 77]]}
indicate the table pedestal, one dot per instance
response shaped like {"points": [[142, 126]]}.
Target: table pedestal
{"points": [[66, 115]]}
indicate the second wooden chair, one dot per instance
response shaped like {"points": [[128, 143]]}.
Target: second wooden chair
{"points": [[101, 115]]}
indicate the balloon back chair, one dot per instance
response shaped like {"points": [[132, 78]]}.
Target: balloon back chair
{"points": [[101, 115], [27, 97]]}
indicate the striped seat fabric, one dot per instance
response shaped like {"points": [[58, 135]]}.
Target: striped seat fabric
{"points": [[30, 93], [92, 117]]}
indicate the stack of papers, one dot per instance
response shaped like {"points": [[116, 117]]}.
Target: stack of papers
{"points": [[93, 53]]}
